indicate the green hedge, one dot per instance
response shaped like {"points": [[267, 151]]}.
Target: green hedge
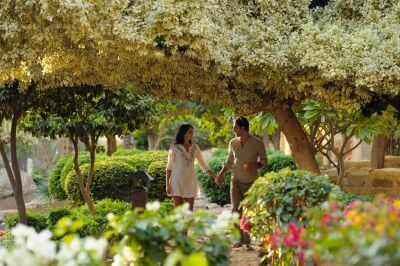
{"points": [[93, 225], [37, 220], [217, 194], [277, 161], [110, 180], [156, 187], [55, 187], [126, 152]]}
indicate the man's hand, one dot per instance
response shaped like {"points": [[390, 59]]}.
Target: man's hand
{"points": [[220, 179], [250, 167]]}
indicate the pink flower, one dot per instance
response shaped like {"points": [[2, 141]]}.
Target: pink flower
{"points": [[326, 218], [301, 256], [245, 224], [273, 240], [288, 241]]}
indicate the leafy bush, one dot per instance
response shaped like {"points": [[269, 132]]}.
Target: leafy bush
{"points": [[84, 158], [7, 240], [126, 152], [55, 187], [35, 219], [156, 188], [150, 238], [279, 198], [219, 152], [368, 231], [217, 194], [110, 180], [144, 159], [56, 214], [278, 161]]}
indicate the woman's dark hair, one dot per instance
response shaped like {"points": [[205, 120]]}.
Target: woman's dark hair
{"points": [[243, 122], [179, 139]]}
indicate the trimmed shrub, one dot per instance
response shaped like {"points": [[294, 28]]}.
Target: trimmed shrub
{"points": [[56, 214], [96, 225], [156, 187], [220, 152], [55, 187], [84, 158], [35, 219], [278, 161], [279, 198], [110, 181], [217, 194], [126, 152], [144, 159]]}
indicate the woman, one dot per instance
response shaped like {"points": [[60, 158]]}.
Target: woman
{"points": [[182, 184]]}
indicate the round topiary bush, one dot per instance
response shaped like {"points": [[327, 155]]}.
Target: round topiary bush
{"points": [[156, 187], [278, 161], [84, 158], [216, 194], [126, 152], [279, 198], [55, 187], [110, 181]]}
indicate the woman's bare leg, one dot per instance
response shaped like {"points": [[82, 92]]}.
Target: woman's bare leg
{"points": [[191, 203], [177, 201]]}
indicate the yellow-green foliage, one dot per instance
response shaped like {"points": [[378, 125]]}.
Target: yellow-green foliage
{"points": [[235, 52]]}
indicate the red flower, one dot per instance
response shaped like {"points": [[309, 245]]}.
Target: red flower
{"points": [[326, 218], [273, 240], [301, 256], [245, 224]]}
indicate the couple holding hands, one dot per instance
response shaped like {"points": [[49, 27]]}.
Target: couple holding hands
{"points": [[246, 154]]}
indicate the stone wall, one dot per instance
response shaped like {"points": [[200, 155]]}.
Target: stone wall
{"points": [[361, 179], [5, 186]]}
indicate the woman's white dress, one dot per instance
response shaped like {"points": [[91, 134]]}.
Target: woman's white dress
{"points": [[183, 178]]}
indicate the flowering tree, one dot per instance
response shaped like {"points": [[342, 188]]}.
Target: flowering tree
{"points": [[253, 55]]}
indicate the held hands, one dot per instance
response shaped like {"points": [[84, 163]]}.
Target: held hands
{"points": [[220, 179]]}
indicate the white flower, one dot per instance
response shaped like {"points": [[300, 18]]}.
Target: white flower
{"points": [[126, 256], [153, 206]]}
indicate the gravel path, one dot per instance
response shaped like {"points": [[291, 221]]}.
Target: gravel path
{"points": [[239, 256]]}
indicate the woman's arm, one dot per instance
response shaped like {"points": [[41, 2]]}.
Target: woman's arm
{"points": [[203, 164]]}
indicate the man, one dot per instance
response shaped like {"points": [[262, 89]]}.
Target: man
{"points": [[246, 154]]}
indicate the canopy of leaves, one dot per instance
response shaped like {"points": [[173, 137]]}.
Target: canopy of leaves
{"points": [[239, 53]]}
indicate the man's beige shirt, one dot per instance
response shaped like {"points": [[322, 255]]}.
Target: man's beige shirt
{"points": [[253, 151]]}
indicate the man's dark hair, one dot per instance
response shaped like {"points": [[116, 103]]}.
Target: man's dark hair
{"points": [[242, 122]]}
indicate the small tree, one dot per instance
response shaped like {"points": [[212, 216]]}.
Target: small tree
{"points": [[85, 114], [323, 123], [14, 105]]}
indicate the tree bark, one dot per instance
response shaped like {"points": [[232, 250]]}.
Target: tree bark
{"points": [[378, 152], [64, 146], [111, 144], [299, 143], [152, 140], [18, 193], [276, 139], [85, 193], [128, 141]]}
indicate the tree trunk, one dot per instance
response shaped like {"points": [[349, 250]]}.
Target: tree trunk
{"points": [[276, 139], [128, 141], [85, 193], [111, 144], [300, 145], [64, 146], [152, 140], [378, 152]]}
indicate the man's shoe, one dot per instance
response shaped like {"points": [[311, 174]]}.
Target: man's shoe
{"points": [[248, 247], [237, 245]]}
